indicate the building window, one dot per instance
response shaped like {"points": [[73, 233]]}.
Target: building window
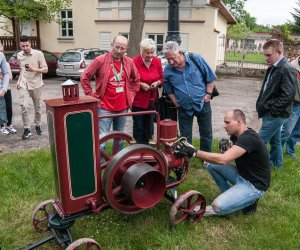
{"points": [[159, 39], [124, 34], [66, 26]]}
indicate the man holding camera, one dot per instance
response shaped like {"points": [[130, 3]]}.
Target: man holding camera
{"points": [[241, 184], [30, 83]]}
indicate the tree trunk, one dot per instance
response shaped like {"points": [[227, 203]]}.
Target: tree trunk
{"points": [[136, 26], [16, 32]]}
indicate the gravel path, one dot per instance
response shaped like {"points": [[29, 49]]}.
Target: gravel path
{"points": [[234, 93]]}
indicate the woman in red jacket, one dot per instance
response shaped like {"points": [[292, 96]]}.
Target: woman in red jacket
{"points": [[151, 77]]}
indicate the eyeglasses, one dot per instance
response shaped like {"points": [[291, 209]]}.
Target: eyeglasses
{"points": [[118, 47]]}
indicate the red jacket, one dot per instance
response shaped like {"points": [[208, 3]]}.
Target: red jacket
{"points": [[100, 67], [154, 73]]}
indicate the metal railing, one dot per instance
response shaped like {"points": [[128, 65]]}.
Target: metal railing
{"points": [[9, 43]]}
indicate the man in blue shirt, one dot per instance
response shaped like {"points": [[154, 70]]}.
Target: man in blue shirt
{"points": [[190, 91]]}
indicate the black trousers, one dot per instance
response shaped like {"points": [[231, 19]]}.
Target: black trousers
{"points": [[9, 111], [142, 126]]}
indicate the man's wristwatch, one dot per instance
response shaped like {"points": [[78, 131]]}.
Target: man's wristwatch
{"points": [[208, 93]]}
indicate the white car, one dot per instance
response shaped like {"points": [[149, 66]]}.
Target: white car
{"points": [[74, 61]]}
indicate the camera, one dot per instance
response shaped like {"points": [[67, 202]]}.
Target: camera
{"points": [[26, 66]]}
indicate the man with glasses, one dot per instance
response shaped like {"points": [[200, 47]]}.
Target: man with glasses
{"points": [[117, 82], [190, 89], [275, 101]]}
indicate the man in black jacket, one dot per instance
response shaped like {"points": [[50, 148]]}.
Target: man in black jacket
{"points": [[275, 101]]}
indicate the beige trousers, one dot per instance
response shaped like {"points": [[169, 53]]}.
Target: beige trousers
{"points": [[35, 95]]}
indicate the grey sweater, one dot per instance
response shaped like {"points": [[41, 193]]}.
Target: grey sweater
{"points": [[3, 66]]}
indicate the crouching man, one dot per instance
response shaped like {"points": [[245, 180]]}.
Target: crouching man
{"points": [[241, 184]]}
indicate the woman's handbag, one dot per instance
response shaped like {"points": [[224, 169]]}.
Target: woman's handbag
{"points": [[166, 108]]}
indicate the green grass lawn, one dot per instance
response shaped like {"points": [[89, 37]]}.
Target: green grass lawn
{"points": [[248, 57], [27, 179]]}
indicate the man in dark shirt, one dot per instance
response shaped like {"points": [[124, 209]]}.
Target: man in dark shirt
{"points": [[241, 184]]}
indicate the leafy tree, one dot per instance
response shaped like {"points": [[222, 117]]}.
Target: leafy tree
{"points": [[25, 10], [282, 32], [295, 27], [238, 32], [236, 7], [262, 28], [136, 26]]}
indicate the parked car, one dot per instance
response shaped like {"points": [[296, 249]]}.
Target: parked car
{"points": [[74, 61], [50, 58]]}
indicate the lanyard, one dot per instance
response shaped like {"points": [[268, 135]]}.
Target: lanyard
{"points": [[117, 75]]}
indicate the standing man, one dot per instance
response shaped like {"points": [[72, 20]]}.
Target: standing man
{"points": [[241, 184], [117, 82], [4, 82], [190, 91], [30, 83], [275, 101], [290, 133]]}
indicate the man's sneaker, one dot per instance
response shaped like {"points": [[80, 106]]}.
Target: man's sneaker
{"points": [[250, 209], [11, 129], [38, 130], [209, 211], [4, 130], [26, 133]]}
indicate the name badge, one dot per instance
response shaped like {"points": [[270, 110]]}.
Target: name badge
{"points": [[119, 89]]}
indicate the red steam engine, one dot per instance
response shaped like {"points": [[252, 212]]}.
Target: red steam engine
{"points": [[91, 177]]}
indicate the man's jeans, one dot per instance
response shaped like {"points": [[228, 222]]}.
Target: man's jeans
{"points": [[204, 124], [3, 118], [105, 123], [270, 132], [237, 193], [290, 133]]}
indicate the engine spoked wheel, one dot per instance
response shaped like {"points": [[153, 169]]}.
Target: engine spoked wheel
{"points": [[132, 156], [84, 244], [190, 205], [115, 141], [41, 214]]}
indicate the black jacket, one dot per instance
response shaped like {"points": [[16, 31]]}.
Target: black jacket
{"points": [[277, 99]]}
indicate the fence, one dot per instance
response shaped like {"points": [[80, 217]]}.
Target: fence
{"points": [[9, 43], [242, 58]]}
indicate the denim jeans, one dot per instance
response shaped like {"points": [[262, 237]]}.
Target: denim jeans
{"points": [[142, 126], [237, 193], [290, 133], [118, 123], [204, 124], [3, 117], [270, 132]]}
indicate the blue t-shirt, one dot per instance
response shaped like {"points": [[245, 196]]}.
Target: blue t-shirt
{"points": [[188, 85]]}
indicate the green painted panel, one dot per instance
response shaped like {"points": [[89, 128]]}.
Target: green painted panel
{"points": [[81, 156], [51, 132]]}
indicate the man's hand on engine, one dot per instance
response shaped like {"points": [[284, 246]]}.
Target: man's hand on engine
{"points": [[182, 148], [224, 145]]}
